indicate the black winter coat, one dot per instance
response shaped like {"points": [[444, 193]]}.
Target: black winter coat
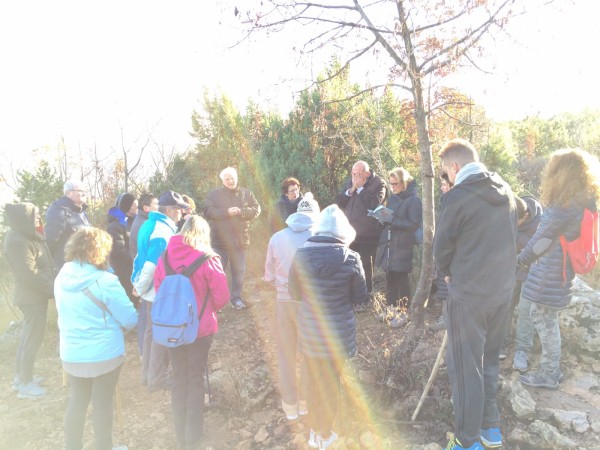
{"points": [[63, 219], [395, 251], [357, 206], [225, 231], [120, 259], [283, 209], [328, 279], [475, 240], [28, 255], [544, 257]]}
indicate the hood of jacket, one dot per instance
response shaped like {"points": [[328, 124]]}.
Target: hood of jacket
{"points": [[21, 219], [300, 221], [327, 255], [76, 276], [179, 253], [486, 185], [115, 214]]}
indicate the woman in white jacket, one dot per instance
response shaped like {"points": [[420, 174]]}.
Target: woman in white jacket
{"points": [[93, 311]]}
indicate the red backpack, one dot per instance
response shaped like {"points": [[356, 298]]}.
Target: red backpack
{"points": [[583, 251]]}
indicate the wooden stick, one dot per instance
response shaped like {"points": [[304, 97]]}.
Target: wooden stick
{"points": [[434, 372]]}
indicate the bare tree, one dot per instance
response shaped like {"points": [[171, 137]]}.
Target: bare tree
{"points": [[416, 43]]}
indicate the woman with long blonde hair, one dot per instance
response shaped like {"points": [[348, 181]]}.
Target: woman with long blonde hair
{"points": [[189, 361], [570, 184]]}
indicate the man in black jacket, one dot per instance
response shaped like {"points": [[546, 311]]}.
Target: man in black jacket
{"points": [[229, 211], [475, 246], [364, 191], [64, 217]]}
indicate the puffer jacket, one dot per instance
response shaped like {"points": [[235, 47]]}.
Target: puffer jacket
{"points": [[357, 206], [63, 219], [544, 256], [225, 231], [328, 279], [87, 333], [28, 255], [395, 251], [209, 279]]}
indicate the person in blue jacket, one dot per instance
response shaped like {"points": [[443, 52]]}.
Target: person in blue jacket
{"points": [[93, 312], [570, 184]]}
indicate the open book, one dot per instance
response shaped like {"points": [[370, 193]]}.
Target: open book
{"points": [[381, 213]]}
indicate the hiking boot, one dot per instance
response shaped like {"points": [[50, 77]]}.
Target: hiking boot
{"points": [[454, 444], [491, 437], [325, 443], [30, 390], [439, 324], [520, 361], [361, 307], [238, 304], [312, 439], [540, 380]]}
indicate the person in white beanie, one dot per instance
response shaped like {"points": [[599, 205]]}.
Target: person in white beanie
{"points": [[280, 252], [328, 279]]}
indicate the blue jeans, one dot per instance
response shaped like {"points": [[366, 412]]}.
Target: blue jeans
{"points": [[32, 336], [187, 399], [237, 259], [100, 390]]}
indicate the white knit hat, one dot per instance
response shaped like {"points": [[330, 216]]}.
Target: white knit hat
{"points": [[333, 222], [308, 204]]}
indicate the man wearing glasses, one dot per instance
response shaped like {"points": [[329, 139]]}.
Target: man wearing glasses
{"points": [[64, 217]]}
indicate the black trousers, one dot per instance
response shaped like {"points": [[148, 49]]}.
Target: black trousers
{"points": [[398, 289], [367, 252]]}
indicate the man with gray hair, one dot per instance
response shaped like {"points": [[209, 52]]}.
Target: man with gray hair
{"points": [[229, 211], [364, 191], [64, 217]]}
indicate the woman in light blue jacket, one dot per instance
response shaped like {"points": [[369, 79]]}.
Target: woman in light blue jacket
{"points": [[93, 311]]}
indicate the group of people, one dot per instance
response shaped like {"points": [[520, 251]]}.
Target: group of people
{"points": [[493, 252]]}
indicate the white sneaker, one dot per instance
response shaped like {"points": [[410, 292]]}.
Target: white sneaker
{"points": [[31, 390], [302, 408], [312, 440], [16, 382], [325, 443], [120, 447]]}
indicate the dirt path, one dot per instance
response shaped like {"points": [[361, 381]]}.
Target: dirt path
{"points": [[245, 413]]}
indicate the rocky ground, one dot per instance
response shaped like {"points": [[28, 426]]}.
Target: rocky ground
{"points": [[379, 393]]}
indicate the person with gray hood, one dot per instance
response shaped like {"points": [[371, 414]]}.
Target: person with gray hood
{"points": [[280, 252], [28, 255], [328, 280], [475, 247]]}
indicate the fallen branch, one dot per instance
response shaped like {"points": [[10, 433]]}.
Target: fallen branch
{"points": [[434, 371]]}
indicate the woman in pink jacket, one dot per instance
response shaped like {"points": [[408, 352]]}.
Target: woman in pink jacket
{"points": [[189, 361]]}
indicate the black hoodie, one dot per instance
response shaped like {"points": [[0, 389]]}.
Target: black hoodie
{"points": [[26, 251], [475, 240]]}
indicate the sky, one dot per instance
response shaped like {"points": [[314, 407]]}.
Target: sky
{"points": [[79, 72]]}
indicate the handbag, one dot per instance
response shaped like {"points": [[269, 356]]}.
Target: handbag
{"points": [[101, 305]]}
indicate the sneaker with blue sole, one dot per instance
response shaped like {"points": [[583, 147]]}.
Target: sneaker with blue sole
{"points": [[454, 444], [491, 437]]}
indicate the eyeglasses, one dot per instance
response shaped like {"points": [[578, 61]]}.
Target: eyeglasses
{"points": [[293, 190], [394, 184]]}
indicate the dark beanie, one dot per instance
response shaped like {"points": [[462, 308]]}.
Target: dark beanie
{"points": [[125, 201]]}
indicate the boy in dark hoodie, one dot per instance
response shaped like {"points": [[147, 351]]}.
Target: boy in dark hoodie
{"points": [[28, 255]]}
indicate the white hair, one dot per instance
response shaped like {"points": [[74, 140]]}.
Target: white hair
{"points": [[228, 171], [72, 185]]}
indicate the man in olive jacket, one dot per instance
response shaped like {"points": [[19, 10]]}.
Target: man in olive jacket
{"points": [[27, 254], [364, 191], [229, 211], [475, 246]]}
